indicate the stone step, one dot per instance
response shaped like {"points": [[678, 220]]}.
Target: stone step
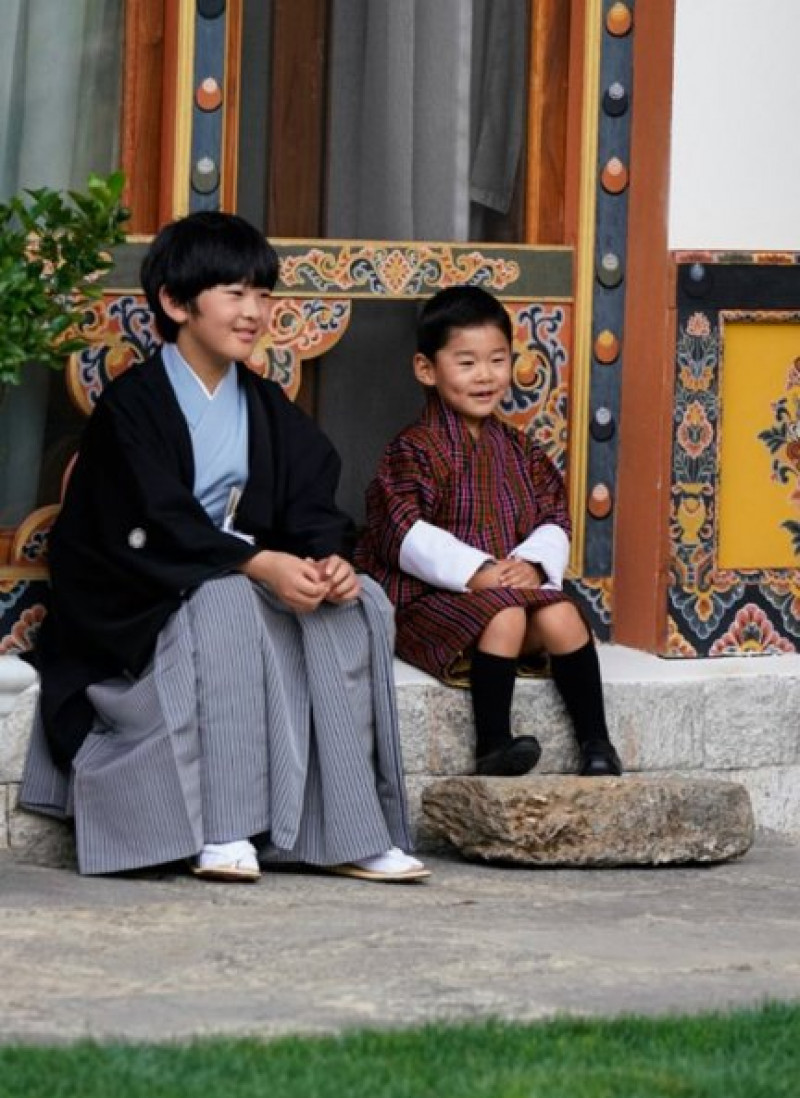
{"points": [[569, 821], [736, 719]]}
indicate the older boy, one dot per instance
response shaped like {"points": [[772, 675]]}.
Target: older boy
{"points": [[213, 671]]}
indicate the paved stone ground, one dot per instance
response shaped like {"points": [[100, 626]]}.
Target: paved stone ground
{"points": [[166, 956]]}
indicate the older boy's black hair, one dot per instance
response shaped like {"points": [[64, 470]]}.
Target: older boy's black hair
{"points": [[458, 307], [200, 251]]}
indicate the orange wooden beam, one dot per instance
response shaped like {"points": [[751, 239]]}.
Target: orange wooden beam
{"points": [[641, 553]]}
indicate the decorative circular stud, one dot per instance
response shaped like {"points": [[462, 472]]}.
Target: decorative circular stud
{"points": [[208, 96], [205, 176], [606, 347], [697, 280], [609, 270], [614, 176], [529, 369], [210, 9], [615, 100], [619, 20], [602, 426], [600, 502]]}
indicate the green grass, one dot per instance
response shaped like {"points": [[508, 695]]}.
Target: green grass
{"points": [[752, 1054]]}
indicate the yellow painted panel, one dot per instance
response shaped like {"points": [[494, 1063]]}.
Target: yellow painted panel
{"points": [[760, 393]]}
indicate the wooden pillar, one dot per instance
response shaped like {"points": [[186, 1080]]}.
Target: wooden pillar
{"points": [[548, 86], [234, 28], [641, 555], [140, 142], [297, 125], [173, 197]]}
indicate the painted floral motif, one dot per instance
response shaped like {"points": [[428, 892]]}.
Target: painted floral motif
{"points": [[550, 428], [21, 612], [122, 333], [781, 589], [537, 400], [281, 365], [12, 592], [309, 326], [298, 329], [782, 439], [692, 513], [700, 594], [695, 433], [34, 550], [698, 325], [595, 594], [751, 633], [677, 644], [695, 420], [697, 353], [394, 271], [30, 539], [23, 632]]}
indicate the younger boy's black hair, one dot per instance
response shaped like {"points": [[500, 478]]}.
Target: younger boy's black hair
{"points": [[458, 307], [200, 251]]}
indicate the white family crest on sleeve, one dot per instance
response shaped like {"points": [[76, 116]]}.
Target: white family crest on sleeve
{"points": [[137, 538]]}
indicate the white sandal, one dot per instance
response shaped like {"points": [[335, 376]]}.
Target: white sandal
{"points": [[236, 861], [393, 865]]}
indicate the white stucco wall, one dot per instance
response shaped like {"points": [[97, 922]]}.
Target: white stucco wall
{"points": [[736, 125]]}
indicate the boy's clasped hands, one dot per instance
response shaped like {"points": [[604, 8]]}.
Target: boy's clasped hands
{"points": [[511, 572], [304, 583]]}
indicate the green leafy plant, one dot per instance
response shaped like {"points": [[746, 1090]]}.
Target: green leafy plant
{"points": [[53, 248]]}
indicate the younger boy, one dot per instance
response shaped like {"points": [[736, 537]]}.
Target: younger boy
{"points": [[468, 532]]}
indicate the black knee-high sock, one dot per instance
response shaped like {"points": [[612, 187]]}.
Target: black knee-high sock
{"points": [[491, 680], [577, 677]]}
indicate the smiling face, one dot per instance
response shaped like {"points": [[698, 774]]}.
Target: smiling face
{"points": [[470, 373], [221, 325]]}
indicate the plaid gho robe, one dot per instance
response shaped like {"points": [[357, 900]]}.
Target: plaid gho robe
{"points": [[490, 493]]}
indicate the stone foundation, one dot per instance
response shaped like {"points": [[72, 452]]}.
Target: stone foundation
{"points": [[733, 719]]}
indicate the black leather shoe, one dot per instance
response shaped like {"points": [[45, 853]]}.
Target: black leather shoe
{"points": [[600, 760], [514, 758]]}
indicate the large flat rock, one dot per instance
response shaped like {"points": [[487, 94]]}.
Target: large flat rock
{"points": [[572, 821]]}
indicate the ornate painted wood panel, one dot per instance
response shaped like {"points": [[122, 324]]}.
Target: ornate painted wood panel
{"points": [[735, 514]]}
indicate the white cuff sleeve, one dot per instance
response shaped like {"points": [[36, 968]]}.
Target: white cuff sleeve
{"points": [[437, 557], [548, 546]]}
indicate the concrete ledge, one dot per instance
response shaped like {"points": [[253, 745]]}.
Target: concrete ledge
{"points": [[735, 719], [15, 676], [37, 839], [569, 821], [15, 730]]}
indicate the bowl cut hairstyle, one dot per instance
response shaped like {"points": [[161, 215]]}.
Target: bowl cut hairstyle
{"points": [[455, 308], [198, 252]]}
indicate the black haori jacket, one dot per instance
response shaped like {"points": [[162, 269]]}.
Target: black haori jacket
{"points": [[132, 541]]}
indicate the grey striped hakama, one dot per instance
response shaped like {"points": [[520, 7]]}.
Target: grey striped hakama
{"points": [[252, 720]]}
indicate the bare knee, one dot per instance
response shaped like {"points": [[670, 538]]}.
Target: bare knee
{"points": [[557, 628], [505, 633]]}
